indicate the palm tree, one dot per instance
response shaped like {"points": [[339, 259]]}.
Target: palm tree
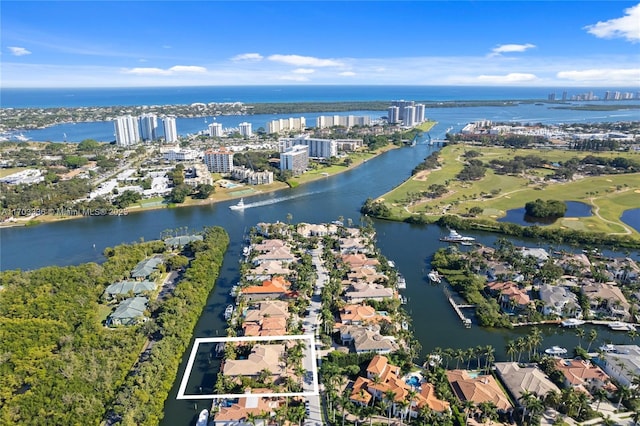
{"points": [[459, 355], [580, 334], [525, 399], [412, 396], [390, 397], [593, 335], [623, 393], [467, 405], [520, 345], [536, 339], [599, 394], [511, 349], [489, 357]]}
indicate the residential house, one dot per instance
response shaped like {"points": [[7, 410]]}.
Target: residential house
{"points": [[276, 288], [510, 295], [282, 255], [559, 301], [519, 378], [266, 270], [353, 245], [238, 413], [129, 312], [367, 339], [540, 254], [357, 314], [262, 357], [478, 389], [356, 260], [124, 288], [607, 296], [316, 230], [268, 318], [367, 274], [145, 268], [359, 292], [622, 363], [583, 374], [181, 241], [625, 270]]}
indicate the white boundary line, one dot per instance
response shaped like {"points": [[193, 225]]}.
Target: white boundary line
{"points": [[187, 373]]}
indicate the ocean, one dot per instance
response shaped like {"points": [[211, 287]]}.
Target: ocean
{"points": [[79, 97]]}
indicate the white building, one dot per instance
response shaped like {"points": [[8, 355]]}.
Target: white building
{"points": [[170, 131], [126, 129], [285, 124], [409, 116], [318, 148], [622, 362], [148, 127], [393, 115], [419, 113], [215, 130], [220, 161], [401, 104], [178, 154], [295, 159], [347, 121], [251, 177], [245, 129]]}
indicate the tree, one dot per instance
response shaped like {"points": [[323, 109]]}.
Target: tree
{"points": [[203, 191], [179, 193], [593, 335]]}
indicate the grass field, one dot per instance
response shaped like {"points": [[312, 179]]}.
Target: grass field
{"points": [[609, 195]]}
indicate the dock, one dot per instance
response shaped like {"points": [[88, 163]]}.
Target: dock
{"points": [[457, 308]]}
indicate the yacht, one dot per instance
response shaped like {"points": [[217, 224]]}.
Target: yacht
{"points": [[434, 276], [572, 322], [402, 283], [239, 206], [621, 326], [556, 350], [228, 312], [607, 348], [455, 237], [203, 418]]}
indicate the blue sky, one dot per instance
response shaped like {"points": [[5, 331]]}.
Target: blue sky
{"points": [[167, 43]]}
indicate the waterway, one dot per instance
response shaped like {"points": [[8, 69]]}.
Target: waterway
{"points": [[434, 322]]}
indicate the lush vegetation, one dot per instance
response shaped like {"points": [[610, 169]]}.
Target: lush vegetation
{"points": [[62, 366], [545, 208]]}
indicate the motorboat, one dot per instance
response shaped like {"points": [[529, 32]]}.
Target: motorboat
{"points": [[234, 291], [621, 326], [607, 348], [239, 205], [402, 283], [246, 251], [555, 350], [203, 418], [572, 322], [434, 276], [228, 312], [455, 237]]}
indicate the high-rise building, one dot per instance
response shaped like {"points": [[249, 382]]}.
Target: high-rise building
{"points": [[283, 124], [245, 129], [318, 148], [220, 161], [409, 116], [347, 121], [215, 130], [170, 131], [419, 113], [295, 159], [126, 129], [148, 127], [401, 105], [393, 115]]}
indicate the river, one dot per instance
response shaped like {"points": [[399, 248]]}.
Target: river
{"points": [[410, 246]]}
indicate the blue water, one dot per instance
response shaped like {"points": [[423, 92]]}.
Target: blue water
{"points": [[518, 216], [632, 218], [70, 97], [413, 381]]}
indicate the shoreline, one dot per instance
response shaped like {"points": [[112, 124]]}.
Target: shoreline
{"points": [[221, 194]]}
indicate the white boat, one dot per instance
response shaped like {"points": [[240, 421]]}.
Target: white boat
{"points": [[203, 418], [607, 348], [234, 291], [434, 276], [245, 251], [621, 326], [556, 350], [239, 206], [402, 283], [228, 312], [455, 237], [572, 322]]}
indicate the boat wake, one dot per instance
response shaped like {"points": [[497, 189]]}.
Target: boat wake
{"points": [[276, 200]]}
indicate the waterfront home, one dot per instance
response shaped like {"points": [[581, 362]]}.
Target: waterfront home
{"points": [[353, 245], [622, 363], [359, 292], [124, 288], [518, 378], [277, 229], [237, 414], [262, 358], [129, 312], [510, 295], [477, 389], [575, 264], [281, 254], [269, 245], [181, 241], [608, 297], [357, 314], [428, 397], [583, 375], [316, 230], [266, 270], [355, 260], [145, 268], [495, 270], [367, 274], [540, 254], [559, 301], [623, 269], [367, 339], [268, 318], [276, 288]]}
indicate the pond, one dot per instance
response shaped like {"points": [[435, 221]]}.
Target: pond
{"points": [[632, 218], [518, 216]]}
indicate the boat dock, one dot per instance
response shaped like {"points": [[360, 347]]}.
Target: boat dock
{"points": [[457, 308]]}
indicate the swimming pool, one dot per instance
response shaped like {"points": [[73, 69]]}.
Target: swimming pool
{"points": [[413, 381]]}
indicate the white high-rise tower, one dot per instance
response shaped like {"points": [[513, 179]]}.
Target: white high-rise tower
{"points": [[148, 127], [170, 131], [126, 129]]}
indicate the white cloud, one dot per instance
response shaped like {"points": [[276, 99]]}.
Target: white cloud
{"points": [[513, 77], [603, 74], [303, 71], [18, 51], [248, 57], [304, 61], [509, 48], [177, 69], [347, 73], [627, 27]]}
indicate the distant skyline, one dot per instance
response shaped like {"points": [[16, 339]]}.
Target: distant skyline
{"points": [[219, 43]]}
